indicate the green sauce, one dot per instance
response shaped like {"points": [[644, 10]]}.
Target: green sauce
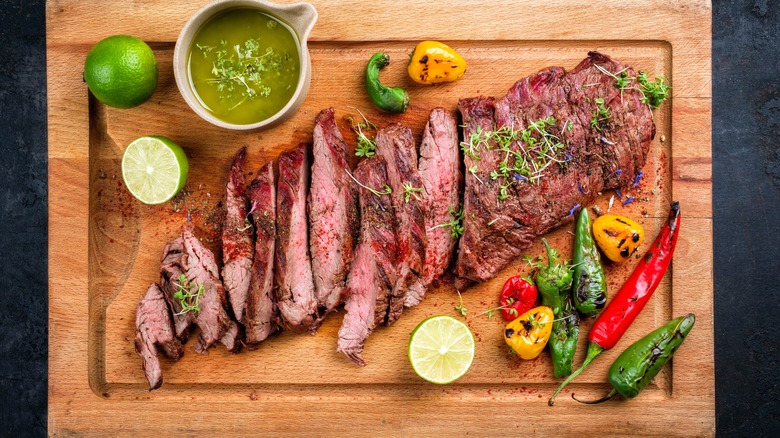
{"points": [[244, 65]]}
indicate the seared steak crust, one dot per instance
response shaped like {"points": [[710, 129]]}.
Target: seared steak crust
{"points": [[441, 181], [154, 329], [201, 269], [237, 236], [373, 272], [495, 231], [396, 145], [333, 215], [262, 315], [295, 293]]}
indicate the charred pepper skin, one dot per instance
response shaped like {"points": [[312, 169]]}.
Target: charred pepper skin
{"points": [[589, 283], [554, 283], [632, 297], [633, 370], [390, 99], [563, 340], [433, 62]]}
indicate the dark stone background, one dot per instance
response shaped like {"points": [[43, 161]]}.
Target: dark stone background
{"points": [[746, 177]]}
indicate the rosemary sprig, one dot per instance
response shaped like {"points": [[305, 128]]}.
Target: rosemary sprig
{"points": [[188, 300]]}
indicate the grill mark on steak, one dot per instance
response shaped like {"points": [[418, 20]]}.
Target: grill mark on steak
{"points": [[237, 238], [496, 232], [201, 268], [295, 292], [333, 214], [171, 269], [396, 144], [373, 273], [441, 180], [155, 329], [262, 315]]}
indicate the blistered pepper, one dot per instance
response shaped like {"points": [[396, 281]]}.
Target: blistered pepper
{"points": [[433, 62], [529, 333], [390, 99], [617, 236], [589, 284]]}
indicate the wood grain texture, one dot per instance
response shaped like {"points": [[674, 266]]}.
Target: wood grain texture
{"points": [[105, 247]]}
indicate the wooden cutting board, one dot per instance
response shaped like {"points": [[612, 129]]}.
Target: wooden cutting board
{"points": [[105, 247]]}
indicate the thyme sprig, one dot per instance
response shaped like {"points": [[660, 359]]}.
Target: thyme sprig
{"points": [[366, 146], [455, 225], [189, 301]]}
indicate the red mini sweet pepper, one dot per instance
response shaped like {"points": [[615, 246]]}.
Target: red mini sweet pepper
{"points": [[632, 297], [517, 297]]}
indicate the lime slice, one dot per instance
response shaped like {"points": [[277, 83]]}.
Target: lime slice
{"points": [[154, 169], [441, 349]]}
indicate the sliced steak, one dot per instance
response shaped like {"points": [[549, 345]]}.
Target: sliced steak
{"points": [[592, 159], [155, 329], [295, 292], [441, 180], [373, 273], [237, 239], [171, 272], [333, 215], [262, 315], [396, 144], [201, 270]]}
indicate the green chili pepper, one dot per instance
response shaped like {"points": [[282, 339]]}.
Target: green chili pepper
{"points": [[589, 284], [391, 99], [554, 283], [642, 361], [565, 333]]}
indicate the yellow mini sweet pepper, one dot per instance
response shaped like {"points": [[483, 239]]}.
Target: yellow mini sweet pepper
{"points": [[529, 333], [617, 236], [433, 62]]}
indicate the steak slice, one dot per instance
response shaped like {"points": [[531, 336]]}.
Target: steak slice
{"points": [[591, 159], [396, 144], [373, 273], [155, 329], [201, 270], [171, 271], [237, 239], [333, 215], [295, 292], [441, 179], [262, 315]]}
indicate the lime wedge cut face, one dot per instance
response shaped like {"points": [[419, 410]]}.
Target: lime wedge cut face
{"points": [[154, 169], [441, 349]]}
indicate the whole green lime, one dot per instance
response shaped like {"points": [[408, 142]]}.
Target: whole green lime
{"points": [[121, 71]]}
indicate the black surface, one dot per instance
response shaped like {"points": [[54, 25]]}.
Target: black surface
{"points": [[23, 239], [746, 188], [746, 179]]}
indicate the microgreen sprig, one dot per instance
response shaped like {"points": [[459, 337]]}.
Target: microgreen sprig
{"points": [[411, 191], [189, 301], [386, 190], [455, 225], [601, 114], [366, 146]]}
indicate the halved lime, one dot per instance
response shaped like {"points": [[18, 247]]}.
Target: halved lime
{"points": [[441, 349], [154, 169]]}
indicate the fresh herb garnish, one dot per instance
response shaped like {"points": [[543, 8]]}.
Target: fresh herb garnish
{"points": [[527, 152], [410, 190], [601, 114], [455, 225], [386, 190], [460, 307], [366, 146], [238, 71], [653, 93], [188, 300]]}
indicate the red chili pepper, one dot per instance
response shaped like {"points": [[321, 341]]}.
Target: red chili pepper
{"points": [[517, 297], [632, 297]]}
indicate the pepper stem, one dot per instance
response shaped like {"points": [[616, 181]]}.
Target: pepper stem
{"points": [[593, 351], [595, 402]]}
